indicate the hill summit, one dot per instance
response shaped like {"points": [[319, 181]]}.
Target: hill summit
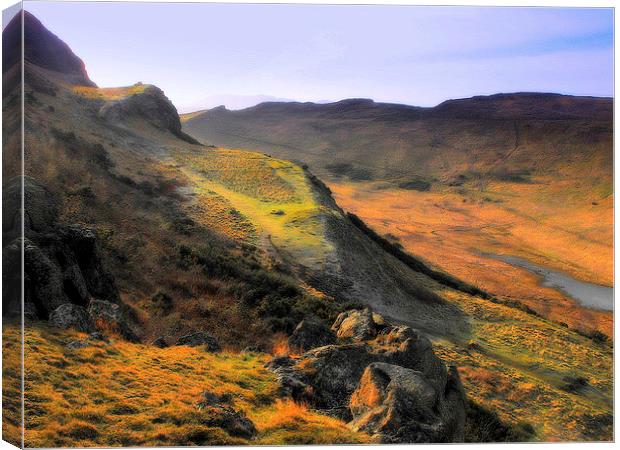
{"points": [[42, 48]]}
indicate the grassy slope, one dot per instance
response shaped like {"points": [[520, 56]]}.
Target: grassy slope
{"points": [[123, 394], [516, 364], [274, 195]]}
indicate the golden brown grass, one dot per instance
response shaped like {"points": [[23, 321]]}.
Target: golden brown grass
{"points": [[115, 93], [453, 229], [123, 394], [516, 364]]}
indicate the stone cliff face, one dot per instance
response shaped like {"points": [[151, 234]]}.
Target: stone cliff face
{"points": [[62, 263], [151, 105]]}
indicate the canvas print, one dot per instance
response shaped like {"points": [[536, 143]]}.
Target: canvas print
{"points": [[287, 224]]}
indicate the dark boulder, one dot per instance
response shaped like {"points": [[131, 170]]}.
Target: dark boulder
{"points": [[41, 207], [160, 342], [199, 338], [72, 316], [291, 381], [221, 414], [311, 333], [108, 316], [399, 405]]}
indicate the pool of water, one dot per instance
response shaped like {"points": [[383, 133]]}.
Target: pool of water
{"points": [[587, 294]]}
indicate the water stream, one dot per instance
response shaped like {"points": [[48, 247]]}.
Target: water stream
{"points": [[587, 294]]}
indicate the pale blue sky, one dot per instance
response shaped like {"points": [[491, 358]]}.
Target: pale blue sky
{"points": [[205, 53]]}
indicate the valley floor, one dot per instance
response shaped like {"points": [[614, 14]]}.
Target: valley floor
{"points": [[453, 230]]}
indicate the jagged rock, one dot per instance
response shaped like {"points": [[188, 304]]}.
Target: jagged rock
{"points": [[160, 342], [61, 263], [311, 333], [290, 381], [110, 316], [82, 246], [200, 338], [222, 415], [71, 316], [43, 282], [399, 405], [41, 206], [333, 371], [356, 325], [404, 346], [152, 105], [326, 377]]}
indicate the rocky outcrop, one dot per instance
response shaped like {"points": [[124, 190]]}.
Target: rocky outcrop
{"points": [[72, 316], [152, 105], [199, 338], [111, 317], [61, 263], [221, 414], [63, 270], [395, 404], [351, 380], [41, 207], [357, 325], [310, 333]]}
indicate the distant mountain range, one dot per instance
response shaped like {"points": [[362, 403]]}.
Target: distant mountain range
{"points": [[499, 135]]}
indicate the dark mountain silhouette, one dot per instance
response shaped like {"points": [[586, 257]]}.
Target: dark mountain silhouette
{"points": [[42, 48]]}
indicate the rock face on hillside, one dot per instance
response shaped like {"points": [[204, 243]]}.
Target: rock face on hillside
{"points": [[311, 333], [63, 270], [152, 105], [41, 48], [384, 379]]}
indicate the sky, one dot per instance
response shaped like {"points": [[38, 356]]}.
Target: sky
{"points": [[204, 55]]}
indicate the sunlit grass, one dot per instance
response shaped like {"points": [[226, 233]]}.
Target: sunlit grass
{"points": [[122, 394], [272, 195], [115, 93]]}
